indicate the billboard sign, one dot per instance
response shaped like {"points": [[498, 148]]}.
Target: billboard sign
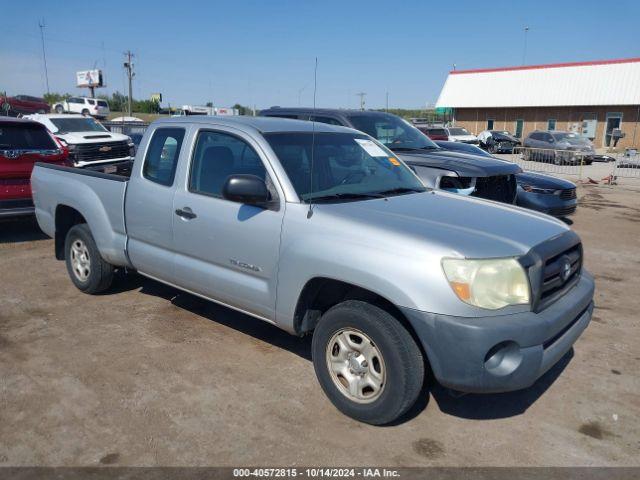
{"points": [[90, 78]]}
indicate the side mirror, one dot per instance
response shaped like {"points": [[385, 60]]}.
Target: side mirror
{"points": [[247, 189]]}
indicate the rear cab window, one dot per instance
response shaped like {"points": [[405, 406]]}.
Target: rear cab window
{"points": [[25, 137], [162, 155]]}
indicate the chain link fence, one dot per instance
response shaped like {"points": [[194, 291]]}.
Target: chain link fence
{"points": [[578, 164]]}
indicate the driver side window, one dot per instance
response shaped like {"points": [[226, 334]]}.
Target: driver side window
{"points": [[216, 157]]}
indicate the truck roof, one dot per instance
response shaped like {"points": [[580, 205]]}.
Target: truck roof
{"points": [[261, 124]]}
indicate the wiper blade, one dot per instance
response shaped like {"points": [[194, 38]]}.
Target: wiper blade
{"points": [[405, 149], [345, 196], [401, 190]]}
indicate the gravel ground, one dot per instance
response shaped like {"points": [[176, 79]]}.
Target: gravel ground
{"points": [[147, 375]]}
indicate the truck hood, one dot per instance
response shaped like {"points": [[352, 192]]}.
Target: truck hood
{"points": [[75, 138], [446, 224], [464, 164]]}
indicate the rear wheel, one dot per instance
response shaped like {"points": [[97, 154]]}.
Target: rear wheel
{"points": [[86, 267], [85, 112], [59, 109], [367, 363]]}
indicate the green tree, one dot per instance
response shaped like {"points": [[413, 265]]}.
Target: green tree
{"points": [[52, 98]]}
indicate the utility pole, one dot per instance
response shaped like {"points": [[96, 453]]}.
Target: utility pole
{"points": [[41, 24], [129, 67], [361, 95], [524, 51], [386, 109]]}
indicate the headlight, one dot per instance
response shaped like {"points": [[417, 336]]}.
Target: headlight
{"points": [[491, 283]]}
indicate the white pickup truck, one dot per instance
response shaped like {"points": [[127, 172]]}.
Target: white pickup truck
{"points": [[88, 142]]}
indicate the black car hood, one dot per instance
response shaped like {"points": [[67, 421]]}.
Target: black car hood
{"points": [[539, 180], [464, 164], [501, 137]]}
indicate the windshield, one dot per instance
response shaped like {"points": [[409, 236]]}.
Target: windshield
{"points": [[570, 137], [458, 131], [393, 132], [77, 125], [345, 165]]}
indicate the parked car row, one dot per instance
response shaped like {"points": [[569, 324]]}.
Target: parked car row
{"points": [[324, 230], [73, 140], [27, 104], [455, 166]]}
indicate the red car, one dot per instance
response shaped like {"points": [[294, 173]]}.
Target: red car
{"points": [[23, 104], [434, 133], [22, 144]]}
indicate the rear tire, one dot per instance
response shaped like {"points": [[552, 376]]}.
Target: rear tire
{"points": [[85, 112], [59, 109], [367, 363], [86, 267]]}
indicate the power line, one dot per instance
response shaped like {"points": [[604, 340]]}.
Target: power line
{"points": [[41, 24]]}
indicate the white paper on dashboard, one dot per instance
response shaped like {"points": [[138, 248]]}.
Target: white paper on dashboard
{"points": [[371, 148]]}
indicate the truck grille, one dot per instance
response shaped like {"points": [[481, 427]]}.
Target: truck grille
{"points": [[501, 188], [92, 152], [568, 194], [559, 273]]}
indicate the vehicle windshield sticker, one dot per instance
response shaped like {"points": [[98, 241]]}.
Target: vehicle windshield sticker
{"points": [[371, 148], [394, 161]]}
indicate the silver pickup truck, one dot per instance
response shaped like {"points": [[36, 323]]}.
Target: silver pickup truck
{"points": [[321, 229]]}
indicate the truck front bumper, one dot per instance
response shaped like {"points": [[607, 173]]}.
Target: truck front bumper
{"points": [[505, 352]]}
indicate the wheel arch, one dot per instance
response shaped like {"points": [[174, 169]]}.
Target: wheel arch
{"points": [[65, 218], [321, 293]]}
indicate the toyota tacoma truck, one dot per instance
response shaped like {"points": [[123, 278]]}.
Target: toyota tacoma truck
{"points": [[320, 229]]}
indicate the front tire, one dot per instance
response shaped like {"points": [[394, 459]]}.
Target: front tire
{"points": [[86, 267], [367, 363], [59, 109]]}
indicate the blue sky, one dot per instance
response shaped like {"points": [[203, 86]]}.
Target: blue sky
{"points": [[262, 52]]}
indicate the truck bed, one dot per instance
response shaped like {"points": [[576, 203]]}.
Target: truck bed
{"points": [[97, 196]]}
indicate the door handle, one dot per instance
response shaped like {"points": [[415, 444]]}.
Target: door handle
{"points": [[185, 213]]}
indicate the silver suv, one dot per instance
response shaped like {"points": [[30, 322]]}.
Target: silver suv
{"points": [[558, 147]]}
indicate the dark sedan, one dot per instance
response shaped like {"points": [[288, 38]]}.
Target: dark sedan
{"points": [[544, 193], [497, 141]]}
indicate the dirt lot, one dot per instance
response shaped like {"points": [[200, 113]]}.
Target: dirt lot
{"points": [[146, 375]]}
